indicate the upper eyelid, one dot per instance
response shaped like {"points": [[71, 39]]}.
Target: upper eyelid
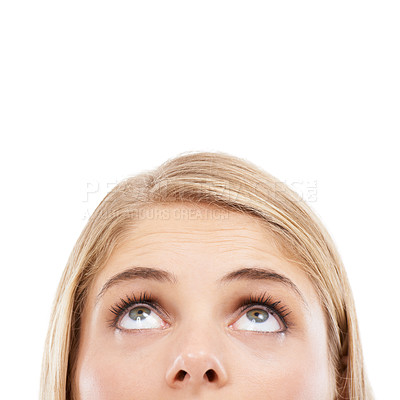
{"points": [[122, 303]]}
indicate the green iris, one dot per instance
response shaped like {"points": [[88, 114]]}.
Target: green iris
{"points": [[257, 316], [139, 313]]}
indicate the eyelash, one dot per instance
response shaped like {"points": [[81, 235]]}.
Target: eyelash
{"points": [[274, 307]]}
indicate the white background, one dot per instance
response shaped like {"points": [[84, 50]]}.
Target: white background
{"points": [[93, 92]]}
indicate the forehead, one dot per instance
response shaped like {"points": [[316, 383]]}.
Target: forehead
{"points": [[189, 233], [199, 244], [201, 224]]}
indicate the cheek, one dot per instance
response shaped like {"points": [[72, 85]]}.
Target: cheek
{"points": [[305, 372], [293, 370], [303, 377], [97, 378], [107, 376]]}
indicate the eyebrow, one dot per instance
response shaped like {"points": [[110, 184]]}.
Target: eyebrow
{"points": [[160, 275]]}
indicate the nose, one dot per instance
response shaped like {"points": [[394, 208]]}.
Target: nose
{"points": [[195, 369]]}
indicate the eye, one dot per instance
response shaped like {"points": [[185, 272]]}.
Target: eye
{"points": [[141, 317], [137, 313], [263, 314], [259, 320]]}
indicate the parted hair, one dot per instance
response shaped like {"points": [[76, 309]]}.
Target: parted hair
{"points": [[222, 181]]}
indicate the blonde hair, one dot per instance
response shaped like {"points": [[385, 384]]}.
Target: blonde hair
{"points": [[220, 180]]}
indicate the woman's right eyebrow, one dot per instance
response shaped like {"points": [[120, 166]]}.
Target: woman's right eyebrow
{"points": [[161, 275], [137, 272]]}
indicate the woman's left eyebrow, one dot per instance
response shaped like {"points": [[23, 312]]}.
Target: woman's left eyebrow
{"points": [[161, 275]]}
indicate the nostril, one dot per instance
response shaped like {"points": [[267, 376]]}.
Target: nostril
{"points": [[181, 375], [211, 375]]}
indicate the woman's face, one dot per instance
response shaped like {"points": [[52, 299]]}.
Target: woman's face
{"points": [[192, 335]]}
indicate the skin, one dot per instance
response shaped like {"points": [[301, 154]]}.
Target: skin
{"points": [[200, 346]]}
